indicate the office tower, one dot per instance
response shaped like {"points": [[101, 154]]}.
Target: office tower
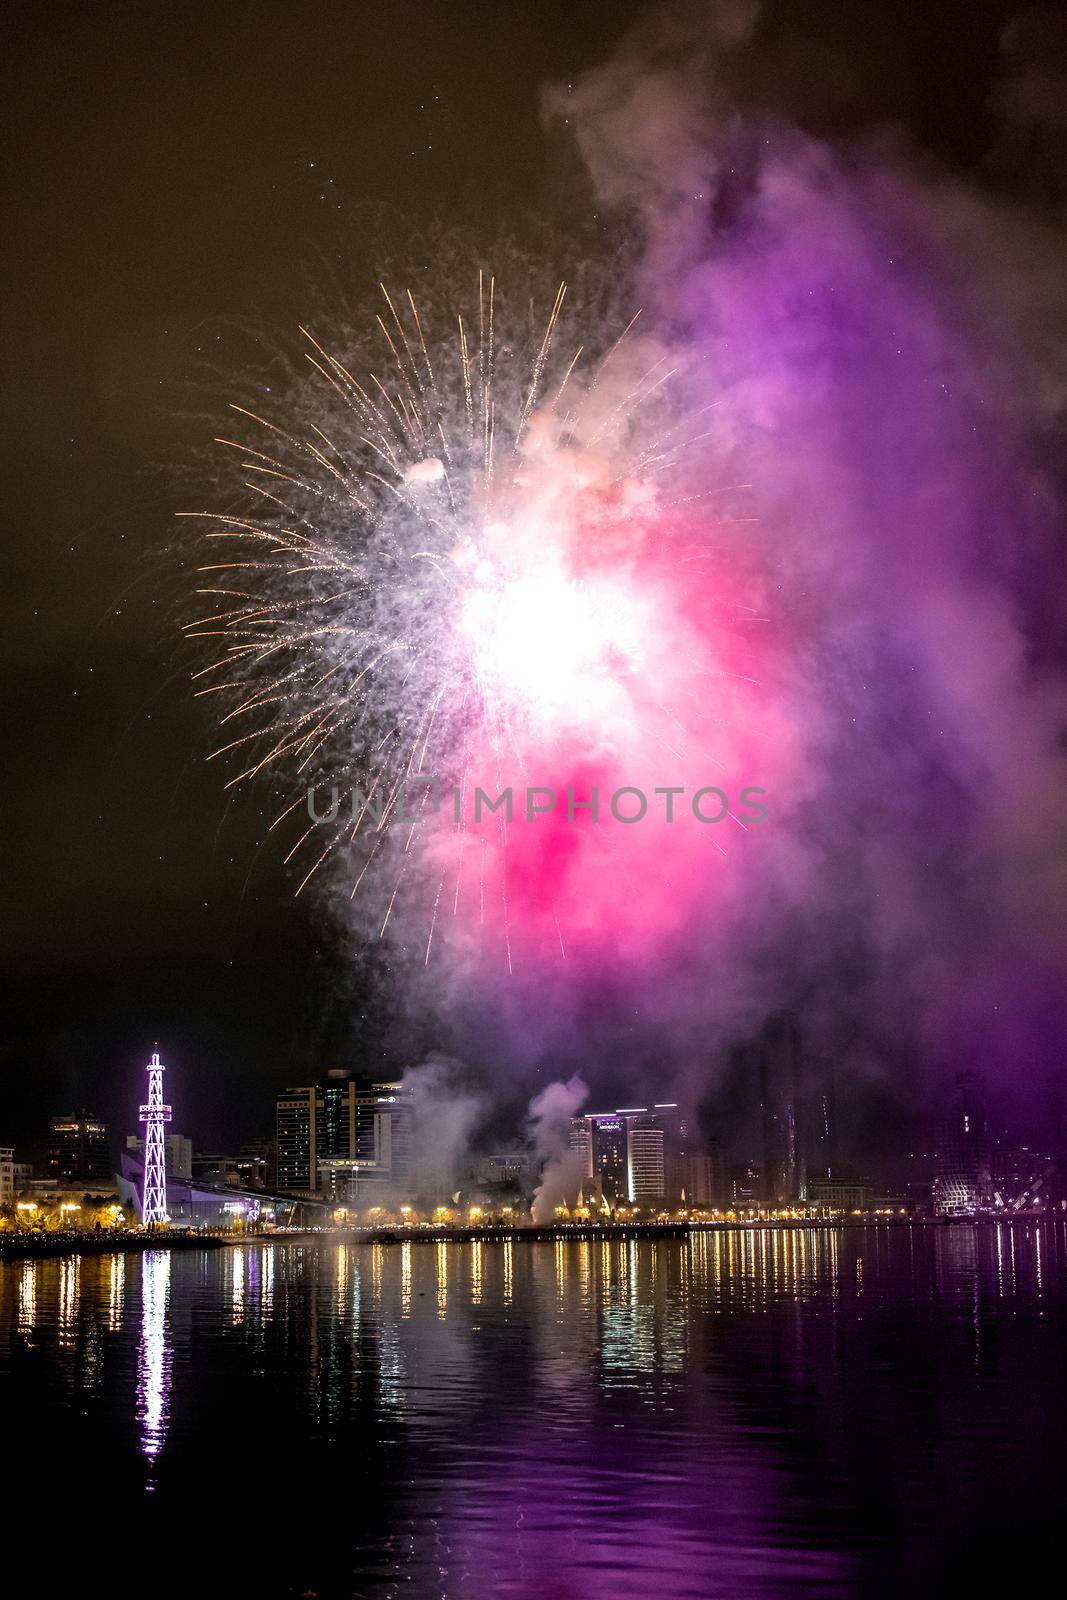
{"points": [[344, 1137], [692, 1164], [179, 1156], [821, 1123], [963, 1180], [298, 1124], [608, 1141], [635, 1154], [700, 1177], [646, 1162], [778, 1068], [377, 1159], [78, 1150], [337, 1125], [382, 1131], [658, 1146], [581, 1142], [599, 1141]]}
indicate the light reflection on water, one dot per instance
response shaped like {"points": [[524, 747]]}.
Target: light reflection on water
{"points": [[746, 1413], [153, 1353]]}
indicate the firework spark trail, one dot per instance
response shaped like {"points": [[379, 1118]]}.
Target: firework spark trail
{"points": [[442, 574]]}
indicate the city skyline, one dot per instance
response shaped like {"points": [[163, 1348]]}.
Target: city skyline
{"points": [[202, 933], [355, 1141]]}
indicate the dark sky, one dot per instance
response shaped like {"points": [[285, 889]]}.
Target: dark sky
{"points": [[175, 176]]}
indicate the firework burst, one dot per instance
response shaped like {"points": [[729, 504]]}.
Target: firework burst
{"points": [[475, 563]]}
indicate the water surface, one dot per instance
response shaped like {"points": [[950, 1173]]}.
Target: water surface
{"points": [[789, 1413]]}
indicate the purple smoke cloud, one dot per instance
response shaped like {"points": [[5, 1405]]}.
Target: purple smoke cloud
{"points": [[885, 348]]}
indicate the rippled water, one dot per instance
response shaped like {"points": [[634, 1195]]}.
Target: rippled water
{"points": [[849, 1412]]}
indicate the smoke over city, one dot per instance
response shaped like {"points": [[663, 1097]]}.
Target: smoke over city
{"points": [[551, 1113], [883, 345], [787, 531], [445, 1111]]}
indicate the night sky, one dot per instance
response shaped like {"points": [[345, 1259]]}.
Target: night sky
{"points": [[179, 179]]}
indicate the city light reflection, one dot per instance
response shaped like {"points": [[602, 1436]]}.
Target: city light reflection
{"points": [[27, 1302], [405, 1280], [116, 1287], [442, 1281], [477, 1269], [69, 1280], [154, 1354]]}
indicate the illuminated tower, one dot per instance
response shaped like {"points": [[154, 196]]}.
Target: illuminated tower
{"points": [[154, 1115]]}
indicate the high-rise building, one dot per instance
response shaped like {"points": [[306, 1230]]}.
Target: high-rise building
{"points": [[607, 1139], [778, 1066], [374, 1154], [337, 1130], [344, 1136], [700, 1177], [821, 1124], [298, 1128], [636, 1154], [79, 1150], [963, 1181], [692, 1163], [382, 1131], [7, 1174], [598, 1140], [646, 1159], [581, 1142]]}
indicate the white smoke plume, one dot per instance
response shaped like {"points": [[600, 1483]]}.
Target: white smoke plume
{"points": [[446, 1108], [550, 1128]]}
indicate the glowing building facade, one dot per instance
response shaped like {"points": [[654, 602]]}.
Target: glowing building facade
{"points": [[345, 1139], [298, 1124], [636, 1154], [375, 1158]]}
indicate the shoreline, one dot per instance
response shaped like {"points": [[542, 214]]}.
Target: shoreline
{"points": [[29, 1247], [49, 1247]]}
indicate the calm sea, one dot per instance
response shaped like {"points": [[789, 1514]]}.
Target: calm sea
{"points": [[839, 1413]]}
